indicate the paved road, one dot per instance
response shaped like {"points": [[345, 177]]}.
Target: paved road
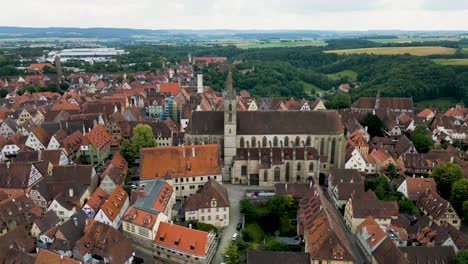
{"points": [[235, 193], [355, 248]]}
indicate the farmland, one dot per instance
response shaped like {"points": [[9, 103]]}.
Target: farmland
{"points": [[451, 61], [417, 51], [411, 40], [352, 75], [280, 43]]}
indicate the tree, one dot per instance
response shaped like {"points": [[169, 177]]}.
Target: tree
{"points": [[340, 100], [3, 93], [129, 151], [465, 209], [206, 227], [392, 171], [279, 203], [374, 125], [461, 257], [459, 194], [445, 175], [143, 137], [231, 254], [422, 141], [405, 205], [249, 210]]}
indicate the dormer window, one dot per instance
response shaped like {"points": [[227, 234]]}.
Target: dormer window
{"points": [[213, 202]]}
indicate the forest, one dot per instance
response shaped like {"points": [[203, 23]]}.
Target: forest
{"points": [[292, 71]]}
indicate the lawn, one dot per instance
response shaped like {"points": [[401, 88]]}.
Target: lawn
{"points": [[346, 73], [308, 87], [280, 43], [410, 40], [440, 103], [451, 61], [418, 51]]}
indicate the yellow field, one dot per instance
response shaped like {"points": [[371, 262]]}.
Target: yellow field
{"points": [[418, 51]]}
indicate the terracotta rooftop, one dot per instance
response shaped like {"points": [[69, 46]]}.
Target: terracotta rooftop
{"points": [[115, 202], [97, 199], [186, 240], [48, 257], [211, 190], [417, 186], [180, 161], [172, 88], [99, 138]]}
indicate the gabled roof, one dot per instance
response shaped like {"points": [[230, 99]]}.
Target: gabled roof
{"points": [[425, 113], [41, 134], [99, 138], [373, 230], [97, 199], [17, 239], [180, 161], [105, 241], [388, 253], [429, 255], [417, 186], [186, 240], [172, 88], [344, 176], [47, 221], [48, 257], [119, 162], [114, 203], [434, 204], [211, 191], [155, 197]]}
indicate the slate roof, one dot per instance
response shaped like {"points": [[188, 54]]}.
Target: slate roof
{"points": [[156, 195], [429, 255], [388, 253], [324, 122], [47, 221], [71, 232], [434, 204]]}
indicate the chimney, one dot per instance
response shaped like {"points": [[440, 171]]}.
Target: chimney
{"points": [[61, 256], [451, 159], [172, 222], [365, 128], [193, 151], [190, 226], [310, 184], [286, 187], [75, 221], [70, 192]]}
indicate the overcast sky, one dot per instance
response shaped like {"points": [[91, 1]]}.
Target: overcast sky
{"points": [[239, 14]]}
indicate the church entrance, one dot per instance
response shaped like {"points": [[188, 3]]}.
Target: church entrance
{"points": [[322, 179], [254, 179]]}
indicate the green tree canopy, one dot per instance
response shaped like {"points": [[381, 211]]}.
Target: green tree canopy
{"points": [[374, 125], [340, 100], [445, 175], [421, 139], [143, 136], [392, 171], [129, 151], [461, 257], [459, 194], [231, 254], [465, 209]]}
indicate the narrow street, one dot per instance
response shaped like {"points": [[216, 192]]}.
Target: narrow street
{"points": [[235, 193], [355, 248]]}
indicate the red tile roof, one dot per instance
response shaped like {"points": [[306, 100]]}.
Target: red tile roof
{"points": [[40, 66], [181, 238], [172, 88], [180, 161], [97, 199], [114, 202], [417, 186], [99, 138]]}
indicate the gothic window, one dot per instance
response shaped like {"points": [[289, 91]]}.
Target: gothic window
{"points": [[308, 142], [275, 141], [287, 172], [298, 178], [230, 107], [311, 166], [333, 146], [264, 142], [242, 142], [230, 117], [299, 166], [254, 143], [205, 141], [244, 170], [265, 176], [196, 141], [322, 147], [277, 174], [286, 141], [189, 141], [298, 141]]}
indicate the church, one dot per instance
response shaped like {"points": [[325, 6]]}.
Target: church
{"points": [[267, 147]]}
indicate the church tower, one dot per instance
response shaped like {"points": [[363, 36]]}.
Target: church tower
{"points": [[230, 126]]}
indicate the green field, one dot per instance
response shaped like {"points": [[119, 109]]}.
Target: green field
{"points": [[465, 49], [280, 43], [442, 104], [451, 61], [417, 51], [346, 73], [410, 40], [308, 87]]}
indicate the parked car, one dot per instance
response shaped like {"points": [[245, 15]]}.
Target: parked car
{"points": [[235, 236], [239, 226]]}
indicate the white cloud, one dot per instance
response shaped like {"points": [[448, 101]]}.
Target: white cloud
{"points": [[239, 14]]}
